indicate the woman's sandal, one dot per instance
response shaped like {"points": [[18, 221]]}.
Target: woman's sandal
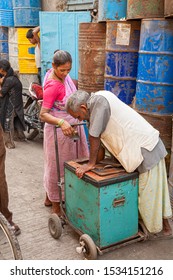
{"points": [[47, 202]]}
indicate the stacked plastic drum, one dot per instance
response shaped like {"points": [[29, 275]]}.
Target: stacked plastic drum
{"points": [[6, 20], [153, 87], [168, 14], [121, 51], [26, 16]]}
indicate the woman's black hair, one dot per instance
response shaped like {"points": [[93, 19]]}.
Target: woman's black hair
{"points": [[5, 65], [61, 57], [29, 34]]}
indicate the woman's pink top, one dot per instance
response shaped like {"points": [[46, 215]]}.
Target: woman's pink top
{"points": [[56, 93]]}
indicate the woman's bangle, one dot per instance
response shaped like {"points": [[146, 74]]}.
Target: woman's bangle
{"points": [[60, 122]]}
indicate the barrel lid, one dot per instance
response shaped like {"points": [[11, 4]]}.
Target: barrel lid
{"points": [[149, 19], [116, 21]]}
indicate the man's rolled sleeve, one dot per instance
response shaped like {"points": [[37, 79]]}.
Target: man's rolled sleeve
{"points": [[99, 115]]}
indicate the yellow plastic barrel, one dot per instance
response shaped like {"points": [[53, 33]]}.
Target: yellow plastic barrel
{"points": [[26, 53]]}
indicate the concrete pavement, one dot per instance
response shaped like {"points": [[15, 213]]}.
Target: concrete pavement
{"points": [[24, 170]]}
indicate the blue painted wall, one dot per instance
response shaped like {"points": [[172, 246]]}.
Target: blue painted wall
{"points": [[59, 30]]}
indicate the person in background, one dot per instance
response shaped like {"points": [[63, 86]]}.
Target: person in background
{"points": [[135, 144], [4, 199], [58, 86], [33, 37], [11, 105]]}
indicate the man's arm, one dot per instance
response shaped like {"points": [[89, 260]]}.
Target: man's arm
{"points": [[35, 32], [94, 149], [99, 117]]}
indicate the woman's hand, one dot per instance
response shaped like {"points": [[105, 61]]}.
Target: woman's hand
{"points": [[67, 129]]}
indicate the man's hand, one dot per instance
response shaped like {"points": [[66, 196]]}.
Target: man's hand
{"points": [[94, 148], [80, 171], [35, 32]]}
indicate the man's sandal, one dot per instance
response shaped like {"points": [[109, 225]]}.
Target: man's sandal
{"points": [[160, 236]]}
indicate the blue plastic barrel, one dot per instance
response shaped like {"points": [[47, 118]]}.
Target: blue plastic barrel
{"points": [[122, 46], [111, 9], [4, 43], [154, 89], [6, 13], [26, 12]]}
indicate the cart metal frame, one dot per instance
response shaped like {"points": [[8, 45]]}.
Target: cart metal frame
{"points": [[86, 245]]}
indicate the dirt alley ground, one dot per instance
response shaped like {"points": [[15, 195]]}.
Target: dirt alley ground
{"points": [[24, 171]]}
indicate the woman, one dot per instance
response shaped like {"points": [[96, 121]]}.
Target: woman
{"points": [[57, 88], [11, 104]]}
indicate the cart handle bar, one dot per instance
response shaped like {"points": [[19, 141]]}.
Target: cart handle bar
{"points": [[73, 124]]}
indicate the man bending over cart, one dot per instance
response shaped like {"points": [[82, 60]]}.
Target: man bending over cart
{"points": [[135, 144]]}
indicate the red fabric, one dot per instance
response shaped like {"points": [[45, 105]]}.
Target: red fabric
{"points": [[38, 90], [53, 91]]}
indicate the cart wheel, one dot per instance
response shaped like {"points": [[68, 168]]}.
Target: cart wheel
{"points": [[55, 227], [88, 247], [9, 245], [145, 231]]}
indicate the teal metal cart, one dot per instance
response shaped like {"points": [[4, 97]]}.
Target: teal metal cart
{"points": [[102, 208]]}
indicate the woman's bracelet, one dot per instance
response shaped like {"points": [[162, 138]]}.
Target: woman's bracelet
{"points": [[60, 122]]}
